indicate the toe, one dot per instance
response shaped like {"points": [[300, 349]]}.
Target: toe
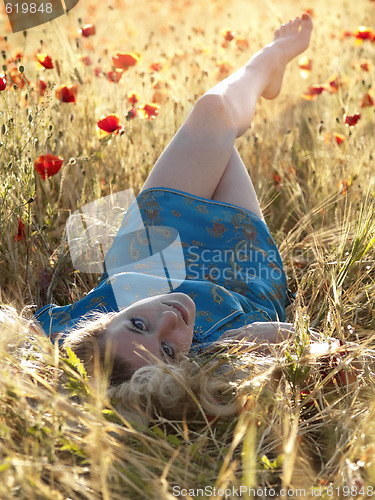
{"points": [[277, 34], [306, 23], [295, 25]]}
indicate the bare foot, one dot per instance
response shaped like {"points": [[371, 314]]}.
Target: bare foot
{"points": [[290, 40]]}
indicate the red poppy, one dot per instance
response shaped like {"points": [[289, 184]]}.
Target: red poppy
{"points": [[352, 120], [364, 65], [123, 60], [156, 66], [149, 111], [108, 125], [313, 92], [228, 35], [368, 99], [86, 60], [44, 60], [3, 82], [364, 33], [242, 43], [21, 233], [133, 97], [276, 178], [42, 86], [67, 93], [88, 30], [339, 138], [98, 71], [48, 165], [115, 75], [305, 63], [334, 84]]}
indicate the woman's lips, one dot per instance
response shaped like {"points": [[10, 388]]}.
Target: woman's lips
{"points": [[181, 309]]}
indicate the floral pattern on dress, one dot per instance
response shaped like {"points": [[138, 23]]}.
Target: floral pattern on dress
{"points": [[217, 230], [202, 209]]}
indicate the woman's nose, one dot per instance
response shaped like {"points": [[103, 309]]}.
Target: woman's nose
{"points": [[168, 322]]}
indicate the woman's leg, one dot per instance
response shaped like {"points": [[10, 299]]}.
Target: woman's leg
{"points": [[199, 153], [236, 187], [195, 160]]}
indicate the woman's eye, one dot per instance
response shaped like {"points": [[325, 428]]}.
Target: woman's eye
{"points": [[138, 324], [168, 350]]}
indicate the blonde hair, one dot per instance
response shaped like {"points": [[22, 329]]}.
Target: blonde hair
{"points": [[172, 390], [214, 384]]}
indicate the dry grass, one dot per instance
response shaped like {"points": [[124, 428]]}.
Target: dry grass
{"points": [[304, 425]]}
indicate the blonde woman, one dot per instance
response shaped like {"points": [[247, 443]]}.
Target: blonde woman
{"points": [[200, 187]]}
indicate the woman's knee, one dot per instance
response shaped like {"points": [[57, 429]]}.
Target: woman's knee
{"points": [[211, 113]]}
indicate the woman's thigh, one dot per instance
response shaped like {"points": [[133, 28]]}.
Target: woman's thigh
{"points": [[236, 187], [197, 156]]}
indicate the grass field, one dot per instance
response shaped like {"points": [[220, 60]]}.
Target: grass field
{"points": [[302, 425]]}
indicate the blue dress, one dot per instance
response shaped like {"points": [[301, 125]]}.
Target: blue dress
{"points": [[231, 267]]}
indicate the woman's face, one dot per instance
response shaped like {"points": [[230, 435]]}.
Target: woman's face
{"points": [[163, 325]]}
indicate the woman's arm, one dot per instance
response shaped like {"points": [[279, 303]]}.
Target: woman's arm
{"points": [[262, 332], [271, 332]]}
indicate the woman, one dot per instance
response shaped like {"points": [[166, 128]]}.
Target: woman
{"points": [[200, 187]]}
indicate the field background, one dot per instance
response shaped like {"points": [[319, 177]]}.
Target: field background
{"points": [[318, 198]]}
